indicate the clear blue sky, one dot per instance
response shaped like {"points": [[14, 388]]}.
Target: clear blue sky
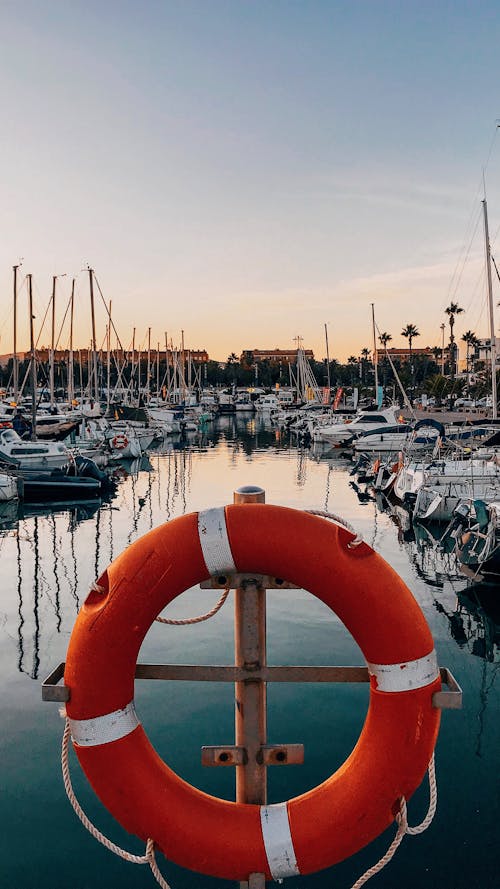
{"points": [[249, 171]]}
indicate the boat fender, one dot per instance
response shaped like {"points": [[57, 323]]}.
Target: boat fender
{"points": [[231, 840]]}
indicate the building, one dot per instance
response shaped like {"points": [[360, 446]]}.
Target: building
{"points": [[61, 356], [482, 352], [403, 355], [274, 356]]}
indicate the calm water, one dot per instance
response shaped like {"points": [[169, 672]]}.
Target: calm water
{"points": [[48, 559]]}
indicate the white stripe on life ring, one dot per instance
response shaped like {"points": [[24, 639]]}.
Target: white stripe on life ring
{"points": [[278, 841], [215, 542], [104, 729], [405, 676]]}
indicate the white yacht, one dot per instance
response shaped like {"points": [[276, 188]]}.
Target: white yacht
{"points": [[342, 432]]}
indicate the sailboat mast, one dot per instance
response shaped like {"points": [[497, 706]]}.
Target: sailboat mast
{"points": [[139, 356], [52, 342], [327, 363], [94, 347], [108, 379], [33, 362], [167, 373], [182, 368], [493, 347], [158, 370], [148, 384], [375, 355], [15, 363], [71, 382]]}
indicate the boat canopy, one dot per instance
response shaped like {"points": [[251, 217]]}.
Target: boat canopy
{"points": [[435, 424]]}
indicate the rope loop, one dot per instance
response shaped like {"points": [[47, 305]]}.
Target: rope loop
{"points": [[404, 828], [358, 538], [196, 620], [147, 858]]}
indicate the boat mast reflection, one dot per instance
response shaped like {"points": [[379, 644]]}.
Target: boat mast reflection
{"points": [[44, 576]]}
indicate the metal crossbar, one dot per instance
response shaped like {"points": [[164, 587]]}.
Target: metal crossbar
{"points": [[449, 698]]}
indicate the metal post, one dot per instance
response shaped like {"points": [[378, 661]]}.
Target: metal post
{"points": [[250, 695]]}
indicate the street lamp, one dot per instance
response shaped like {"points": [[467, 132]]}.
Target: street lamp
{"points": [[442, 348]]}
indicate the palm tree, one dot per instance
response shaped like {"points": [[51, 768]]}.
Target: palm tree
{"points": [[365, 354], [472, 341], [452, 310], [410, 332], [352, 361], [384, 338]]}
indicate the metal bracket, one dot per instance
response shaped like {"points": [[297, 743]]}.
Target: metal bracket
{"points": [[240, 581], [268, 755], [256, 881], [446, 699], [51, 691], [450, 699], [231, 755]]}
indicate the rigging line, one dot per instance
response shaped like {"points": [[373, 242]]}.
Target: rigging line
{"points": [[44, 317], [478, 192], [476, 291], [451, 294], [492, 143], [495, 236], [476, 209], [494, 263], [107, 312], [62, 324]]}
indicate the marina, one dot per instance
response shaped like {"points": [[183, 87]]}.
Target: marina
{"points": [[249, 445], [57, 551]]}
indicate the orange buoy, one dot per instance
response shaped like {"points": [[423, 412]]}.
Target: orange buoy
{"points": [[226, 839]]}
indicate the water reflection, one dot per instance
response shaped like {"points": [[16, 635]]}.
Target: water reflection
{"points": [[470, 607], [61, 548], [51, 555]]}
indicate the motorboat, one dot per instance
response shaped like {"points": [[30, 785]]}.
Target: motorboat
{"points": [[31, 454], [243, 403], [342, 433], [437, 502], [387, 440], [49, 424], [80, 479], [267, 403], [226, 404], [441, 485]]}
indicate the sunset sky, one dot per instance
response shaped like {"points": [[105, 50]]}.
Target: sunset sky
{"points": [[250, 171]]}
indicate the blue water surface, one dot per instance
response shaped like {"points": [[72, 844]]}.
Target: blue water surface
{"points": [[50, 556]]}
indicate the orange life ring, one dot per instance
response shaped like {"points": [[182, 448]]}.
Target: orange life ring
{"points": [[226, 839], [120, 441]]}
